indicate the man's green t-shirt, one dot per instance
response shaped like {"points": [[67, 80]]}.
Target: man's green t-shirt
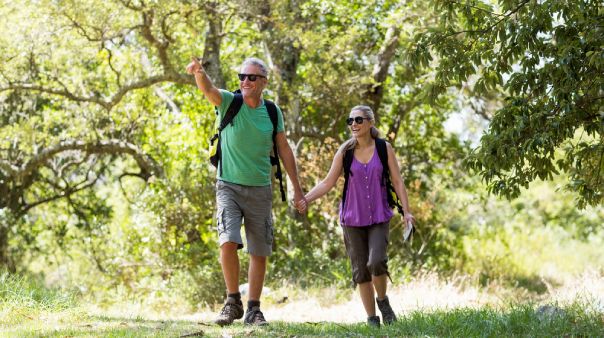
{"points": [[247, 143]]}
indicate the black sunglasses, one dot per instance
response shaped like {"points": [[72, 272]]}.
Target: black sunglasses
{"points": [[358, 120], [251, 77]]}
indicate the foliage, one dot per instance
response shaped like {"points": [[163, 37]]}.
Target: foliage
{"points": [[104, 184], [546, 58], [534, 241]]}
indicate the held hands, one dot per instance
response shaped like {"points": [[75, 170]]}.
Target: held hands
{"points": [[194, 66], [301, 204]]}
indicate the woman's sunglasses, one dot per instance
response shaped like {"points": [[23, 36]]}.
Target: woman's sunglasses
{"points": [[251, 77], [358, 120]]}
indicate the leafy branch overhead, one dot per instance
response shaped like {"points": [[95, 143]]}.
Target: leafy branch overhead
{"points": [[548, 59], [22, 172], [74, 166], [93, 93]]}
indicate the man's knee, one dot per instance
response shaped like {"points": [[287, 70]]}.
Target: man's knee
{"points": [[229, 245], [377, 268]]}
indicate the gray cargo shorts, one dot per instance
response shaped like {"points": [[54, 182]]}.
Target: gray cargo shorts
{"points": [[366, 247], [252, 205]]}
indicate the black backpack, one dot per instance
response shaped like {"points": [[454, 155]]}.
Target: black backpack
{"points": [[229, 116], [380, 145]]}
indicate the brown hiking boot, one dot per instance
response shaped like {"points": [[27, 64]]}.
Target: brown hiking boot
{"points": [[230, 311], [387, 314], [255, 317]]}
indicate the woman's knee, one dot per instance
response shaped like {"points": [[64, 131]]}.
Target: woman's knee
{"points": [[377, 268]]}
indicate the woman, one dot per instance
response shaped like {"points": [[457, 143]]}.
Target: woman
{"points": [[364, 212]]}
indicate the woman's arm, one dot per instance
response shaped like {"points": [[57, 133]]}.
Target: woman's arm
{"points": [[330, 180], [397, 182]]}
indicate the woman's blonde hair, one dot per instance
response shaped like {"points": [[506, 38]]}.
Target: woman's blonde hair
{"points": [[368, 113]]}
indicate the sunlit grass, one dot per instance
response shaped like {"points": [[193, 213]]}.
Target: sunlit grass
{"points": [[31, 293], [24, 299], [426, 306], [524, 320]]}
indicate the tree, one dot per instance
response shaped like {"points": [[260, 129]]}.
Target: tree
{"points": [[546, 57], [93, 94]]}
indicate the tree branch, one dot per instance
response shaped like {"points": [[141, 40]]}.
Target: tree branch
{"points": [[9, 169], [118, 75], [65, 193], [100, 33], [65, 93], [375, 90], [147, 164], [119, 179], [476, 8], [116, 98], [485, 30], [128, 4], [161, 46]]}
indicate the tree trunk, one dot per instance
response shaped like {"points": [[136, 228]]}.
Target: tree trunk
{"points": [[6, 261], [375, 91], [284, 58], [211, 51], [400, 110]]}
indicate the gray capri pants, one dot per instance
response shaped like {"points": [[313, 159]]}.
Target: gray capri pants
{"points": [[366, 247], [251, 204]]}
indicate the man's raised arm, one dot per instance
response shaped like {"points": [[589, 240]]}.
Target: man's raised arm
{"points": [[203, 82]]}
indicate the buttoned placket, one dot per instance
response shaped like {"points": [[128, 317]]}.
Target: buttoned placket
{"points": [[369, 201]]}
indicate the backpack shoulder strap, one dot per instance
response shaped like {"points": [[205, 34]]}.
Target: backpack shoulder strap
{"points": [[347, 163], [232, 111], [273, 115], [229, 116], [380, 146], [271, 107], [393, 200]]}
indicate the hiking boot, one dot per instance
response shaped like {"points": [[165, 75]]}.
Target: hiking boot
{"points": [[373, 321], [386, 310], [230, 311], [255, 317]]}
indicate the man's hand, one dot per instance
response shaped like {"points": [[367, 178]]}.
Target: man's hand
{"points": [[194, 66], [300, 203]]}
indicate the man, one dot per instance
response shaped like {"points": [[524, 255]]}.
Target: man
{"points": [[243, 187]]}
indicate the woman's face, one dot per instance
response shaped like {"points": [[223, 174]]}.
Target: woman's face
{"points": [[359, 124]]}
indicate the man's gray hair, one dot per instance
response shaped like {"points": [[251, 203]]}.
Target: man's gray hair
{"points": [[256, 62]]}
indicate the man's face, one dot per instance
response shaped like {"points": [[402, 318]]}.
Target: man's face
{"points": [[252, 88]]}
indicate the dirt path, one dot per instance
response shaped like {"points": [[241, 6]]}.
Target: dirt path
{"points": [[428, 293], [425, 293]]}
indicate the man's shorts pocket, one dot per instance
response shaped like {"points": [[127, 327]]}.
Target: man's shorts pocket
{"points": [[269, 232], [220, 226]]}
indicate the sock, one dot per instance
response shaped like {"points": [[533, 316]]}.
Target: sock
{"points": [[236, 296], [252, 303]]}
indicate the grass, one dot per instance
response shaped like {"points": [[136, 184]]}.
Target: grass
{"points": [[515, 320], [20, 292], [28, 309], [25, 299]]}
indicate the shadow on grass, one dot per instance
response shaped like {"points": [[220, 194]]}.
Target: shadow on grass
{"points": [[523, 320]]}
